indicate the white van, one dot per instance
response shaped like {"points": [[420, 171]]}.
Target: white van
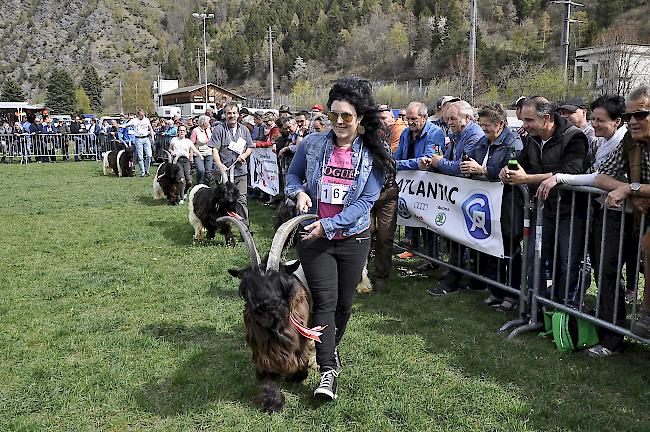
{"points": [[168, 111]]}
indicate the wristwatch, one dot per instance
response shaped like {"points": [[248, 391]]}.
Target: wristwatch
{"points": [[635, 186]]}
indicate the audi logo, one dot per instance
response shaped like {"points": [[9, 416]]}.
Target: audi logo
{"points": [[420, 206]]}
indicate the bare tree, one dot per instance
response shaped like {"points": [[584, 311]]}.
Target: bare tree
{"points": [[617, 60]]}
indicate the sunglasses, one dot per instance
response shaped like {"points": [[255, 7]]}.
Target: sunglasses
{"points": [[334, 116], [638, 115]]}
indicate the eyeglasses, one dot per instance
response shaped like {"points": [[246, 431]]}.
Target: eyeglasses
{"points": [[638, 115], [334, 116]]}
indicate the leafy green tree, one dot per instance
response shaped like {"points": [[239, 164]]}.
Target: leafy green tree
{"points": [[92, 86], [11, 91], [82, 101], [137, 93], [60, 92]]}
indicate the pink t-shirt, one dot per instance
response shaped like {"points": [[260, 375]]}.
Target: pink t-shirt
{"points": [[339, 170]]}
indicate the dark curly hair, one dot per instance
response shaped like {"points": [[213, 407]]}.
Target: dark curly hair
{"points": [[358, 92], [613, 104]]}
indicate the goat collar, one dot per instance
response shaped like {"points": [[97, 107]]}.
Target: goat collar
{"points": [[313, 333]]}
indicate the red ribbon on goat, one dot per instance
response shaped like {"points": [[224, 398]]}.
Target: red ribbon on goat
{"points": [[235, 215], [313, 333]]}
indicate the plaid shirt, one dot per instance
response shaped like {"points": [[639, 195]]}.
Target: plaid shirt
{"points": [[617, 164]]}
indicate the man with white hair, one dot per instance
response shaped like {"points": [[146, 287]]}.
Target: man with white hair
{"points": [[465, 133]]}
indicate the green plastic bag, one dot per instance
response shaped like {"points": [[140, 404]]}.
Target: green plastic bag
{"points": [[569, 333]]}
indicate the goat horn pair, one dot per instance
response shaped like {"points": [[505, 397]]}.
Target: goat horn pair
{"points": [[248, 239], [280, 238], [168, 156]]}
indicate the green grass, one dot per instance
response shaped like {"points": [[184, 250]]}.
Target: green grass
{"points": [[111, 319]]}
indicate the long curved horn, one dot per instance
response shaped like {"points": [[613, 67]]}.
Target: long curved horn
{"points": [[248, 239], [223, 178], [168, 155], [280, 238], [231, 174]]}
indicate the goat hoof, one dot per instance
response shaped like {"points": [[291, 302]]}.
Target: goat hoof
{"points": [[299, 376]]}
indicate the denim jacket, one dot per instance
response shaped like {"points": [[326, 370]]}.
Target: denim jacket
{"points": [[463, 141], [431, 139], [500, 151], [305, 175]]}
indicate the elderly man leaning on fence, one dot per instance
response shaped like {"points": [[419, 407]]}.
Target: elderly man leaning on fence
{"points": [[464, 135], [626, 174], [553, 145], [422, 139]]}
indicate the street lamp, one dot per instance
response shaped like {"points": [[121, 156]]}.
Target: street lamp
{"points": [[204, 16]]}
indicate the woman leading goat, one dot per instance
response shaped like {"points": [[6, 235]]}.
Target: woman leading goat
{"points": [[338, 176]]}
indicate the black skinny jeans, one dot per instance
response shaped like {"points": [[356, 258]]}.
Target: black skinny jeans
{"points": [[333, 271]]}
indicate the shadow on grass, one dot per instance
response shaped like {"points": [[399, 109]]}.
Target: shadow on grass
{"points": [[217, 290], [458, 326], [218, 369], [149, 201], [178, 232]]}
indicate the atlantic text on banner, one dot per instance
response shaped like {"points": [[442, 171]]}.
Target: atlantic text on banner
{"points": [[464, 210]]}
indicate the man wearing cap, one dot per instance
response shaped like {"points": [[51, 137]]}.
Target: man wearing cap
{"points": [[392, 128], [575, 110], [317, 109]]}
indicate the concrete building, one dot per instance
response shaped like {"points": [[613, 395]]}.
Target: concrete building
{"points": [[612, 69]]}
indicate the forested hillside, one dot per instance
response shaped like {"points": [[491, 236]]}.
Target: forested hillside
{"points": [[314, 41]]}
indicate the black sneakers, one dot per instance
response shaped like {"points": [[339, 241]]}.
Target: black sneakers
{"points": [[326, 390]]}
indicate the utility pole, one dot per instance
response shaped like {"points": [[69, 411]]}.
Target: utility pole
{"points": [[198, 62], [472, 52], [271, 65], [204, 17], [565, 32], [121, 107]]}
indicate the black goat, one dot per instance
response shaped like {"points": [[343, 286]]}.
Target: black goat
{"points": [[277, 309], [168, 182], [208, 204]]}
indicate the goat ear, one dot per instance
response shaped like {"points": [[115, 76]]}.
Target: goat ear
{"points": [[236, 273], [291, 266]]}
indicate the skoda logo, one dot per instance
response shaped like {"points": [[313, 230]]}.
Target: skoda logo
{"points": [[402, 209], [476, 210], [441, 218]]}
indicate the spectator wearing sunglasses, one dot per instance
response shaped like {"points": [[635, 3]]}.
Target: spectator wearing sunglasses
{"points": [[338, 176], [607, 120], [636, 185]]}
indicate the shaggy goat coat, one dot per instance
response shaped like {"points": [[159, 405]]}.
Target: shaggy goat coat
{"points": [[207, 204], [168, 182]]}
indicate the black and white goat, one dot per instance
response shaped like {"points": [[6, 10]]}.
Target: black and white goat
{"points": [[277, 311], [120, 162], [208, 203], [168, 182]]}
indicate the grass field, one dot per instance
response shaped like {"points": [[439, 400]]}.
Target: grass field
{"points": [[111, 319]]}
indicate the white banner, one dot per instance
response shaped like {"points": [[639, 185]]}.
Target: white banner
{"points": [[464, 210], [264, 170]]}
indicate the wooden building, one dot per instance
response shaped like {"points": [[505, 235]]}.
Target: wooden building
{"points": [[191, 99]]}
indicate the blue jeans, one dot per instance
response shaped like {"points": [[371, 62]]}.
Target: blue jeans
{"points": [[143, 144], [203, 169]]}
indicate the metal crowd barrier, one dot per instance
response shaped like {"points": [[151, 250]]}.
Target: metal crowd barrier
{"points": [[451, 255], [608, 241], [52, 147], [605, 245]]}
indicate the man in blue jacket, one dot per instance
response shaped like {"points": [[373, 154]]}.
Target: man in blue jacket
{"points": [[465, 134], [422, 139]]}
